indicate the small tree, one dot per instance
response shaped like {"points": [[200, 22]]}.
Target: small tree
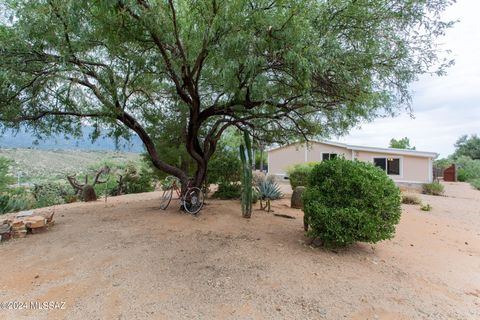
{"points": [[468, 146], [403, 143], [348, 201]]}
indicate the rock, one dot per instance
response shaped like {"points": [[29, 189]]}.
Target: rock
{"points": [[35, 222], [296, 201], [5, 236], [24, 214], [4, 228], [17, 223], [19, 234]]}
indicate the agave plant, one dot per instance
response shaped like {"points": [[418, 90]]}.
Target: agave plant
{"points": [[268, 190]]}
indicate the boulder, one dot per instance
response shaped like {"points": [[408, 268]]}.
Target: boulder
{"points": [[19, 233], [296, 201], [4, 228], [35, 222], [17, 224]]}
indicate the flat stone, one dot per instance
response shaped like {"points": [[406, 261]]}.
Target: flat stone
{"points": [[35, 222], [23, 214]]}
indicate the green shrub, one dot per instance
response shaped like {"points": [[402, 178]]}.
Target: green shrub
{"points": [[52, 193], [16, 201], [434, 188], [426, 207], [224, 167], [475, 183], [348, 201], [5, 178], [228, 191], [461, 175], [467, 168], [410, 199], [298, 174], [138, 182]]}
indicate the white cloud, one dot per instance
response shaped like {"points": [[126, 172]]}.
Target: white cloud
{"points": [[444, 107]]}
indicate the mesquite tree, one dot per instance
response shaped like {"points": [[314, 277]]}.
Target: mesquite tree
{"points": [[284, 69]]}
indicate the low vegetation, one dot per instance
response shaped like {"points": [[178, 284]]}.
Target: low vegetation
{"points": [[434, 188], [411, 199], [267, 190], [475, 183], [228, 191], [122, 178], [426, 207], [298, 174], [348, 201]]}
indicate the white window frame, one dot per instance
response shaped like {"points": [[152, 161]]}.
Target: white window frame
{"points": [[400, 159]]}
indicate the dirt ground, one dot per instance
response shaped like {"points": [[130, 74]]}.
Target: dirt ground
{"points": [[127, 259]]}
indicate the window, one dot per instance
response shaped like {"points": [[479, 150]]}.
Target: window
{"points": [[328, 156], [381, 162], [390, 165], [393, 166]]}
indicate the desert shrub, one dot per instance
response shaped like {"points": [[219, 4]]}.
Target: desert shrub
{"points": [[136, 181], [5, 178], [17, 200], [144, 182], [110, 186], [228, 191], [52, 193], [410, 199], [224, 167], [475, 183], [298, 174], [260, 177], [468, 169], [348, 201], [461, 175], [426, 207], [434, 188]]}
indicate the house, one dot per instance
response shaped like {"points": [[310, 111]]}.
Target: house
{"points": [[403, 166]]}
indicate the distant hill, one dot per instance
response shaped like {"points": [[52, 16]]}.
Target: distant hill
{"points": [[24, 139], [37, 165]]}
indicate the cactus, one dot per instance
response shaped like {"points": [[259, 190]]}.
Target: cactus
{"points": [[247, 191]]}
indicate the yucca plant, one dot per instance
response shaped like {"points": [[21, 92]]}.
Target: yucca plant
{"points": [[267, 191]]}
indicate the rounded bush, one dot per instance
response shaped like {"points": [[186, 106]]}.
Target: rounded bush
{"points": [[298, 174], [349, 201]]}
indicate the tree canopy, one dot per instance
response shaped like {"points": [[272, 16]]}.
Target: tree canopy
{"points": [[467, 146], [281, 70], [403, 143]]}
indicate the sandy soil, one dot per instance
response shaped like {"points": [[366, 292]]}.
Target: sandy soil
{"points": [[126, 259]]}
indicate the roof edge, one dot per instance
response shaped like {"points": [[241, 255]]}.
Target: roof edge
{"points": [[418, 153]]}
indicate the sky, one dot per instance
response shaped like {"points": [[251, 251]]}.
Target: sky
{"points": [[444, 108]]}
